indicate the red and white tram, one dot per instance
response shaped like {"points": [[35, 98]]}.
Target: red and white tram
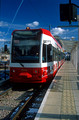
{"points": [[35, 56]]}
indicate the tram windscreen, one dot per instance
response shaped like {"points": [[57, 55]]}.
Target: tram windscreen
{"points": [[26, 46]]}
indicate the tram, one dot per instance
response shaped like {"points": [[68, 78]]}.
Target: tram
{"points": [[35, 56]]}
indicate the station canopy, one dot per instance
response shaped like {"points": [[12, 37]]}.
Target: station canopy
{"points": [[68, 45]]}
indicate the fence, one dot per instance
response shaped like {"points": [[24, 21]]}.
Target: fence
{"points": [[4, 70]]}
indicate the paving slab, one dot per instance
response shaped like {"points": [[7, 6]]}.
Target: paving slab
{"points": [[61, 101]]}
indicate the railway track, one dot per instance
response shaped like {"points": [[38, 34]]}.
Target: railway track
{"points": [[15, 114], [3, 92], [29, 107], [21, 104], [10, 99]]}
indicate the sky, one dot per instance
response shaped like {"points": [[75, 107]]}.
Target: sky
{"points": [[18, 14]]}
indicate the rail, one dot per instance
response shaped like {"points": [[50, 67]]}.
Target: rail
{"points": [[19, 109], [6, 91]]}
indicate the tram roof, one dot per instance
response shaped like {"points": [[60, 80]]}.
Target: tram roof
{"points": [[44, 31]]}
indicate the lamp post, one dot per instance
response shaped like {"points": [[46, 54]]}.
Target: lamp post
{"points": [[78, 26], [78, 46]]}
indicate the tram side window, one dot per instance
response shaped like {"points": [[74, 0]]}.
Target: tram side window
{"points": [[49, 53], [62, 56], [58, 57], [55, 54], [44, 53]]}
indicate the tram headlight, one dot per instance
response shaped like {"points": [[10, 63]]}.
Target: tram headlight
{"points": [[13, 70], [35, 71]]}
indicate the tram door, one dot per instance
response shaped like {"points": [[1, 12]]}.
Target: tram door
{"points": [[47, 57], [47, 53]]}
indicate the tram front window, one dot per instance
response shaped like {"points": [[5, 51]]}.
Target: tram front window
{"points": [[26, 46]]}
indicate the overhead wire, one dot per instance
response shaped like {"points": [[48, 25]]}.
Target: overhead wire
{"points": [[15, 16]]}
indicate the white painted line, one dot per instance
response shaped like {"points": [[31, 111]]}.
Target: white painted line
{"points": [[43, 102]]}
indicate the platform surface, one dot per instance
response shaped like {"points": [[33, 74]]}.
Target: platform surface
{"points": [[61, 101]]}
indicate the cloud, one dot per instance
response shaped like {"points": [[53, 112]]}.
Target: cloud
{"points": [[18, 26], [33, 24], [36, 23], [58, 31], [9, 25], [66, 37], [70, 38], [3, 24], [2, 40]]}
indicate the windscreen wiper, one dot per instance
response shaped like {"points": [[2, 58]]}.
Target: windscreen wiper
{"points": [[21, 64], [18, 62]]}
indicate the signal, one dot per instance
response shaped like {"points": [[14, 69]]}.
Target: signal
{"points": [[68, 12]]}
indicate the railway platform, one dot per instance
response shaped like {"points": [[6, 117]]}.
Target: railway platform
{"points": [[61, 101]]}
